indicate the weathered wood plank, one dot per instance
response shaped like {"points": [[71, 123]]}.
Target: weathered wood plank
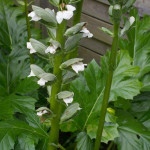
{"points": [[88, 55], [143, 6], [96, 9], [93, 25], [95, 45]]}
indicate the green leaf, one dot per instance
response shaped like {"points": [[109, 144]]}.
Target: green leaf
{"points": [[64, 94], [75, 29], [133, 135], [26, 85], [70, 62], [110, 132], [37, 70], [88, 88], [54, 2], [39, 47], [46, 14], [84, 142], [107, 31], [138, 45], [34, 121], [27, 142], [48, 76], [10, 130], [6, 109], [21, 103], [69, 112], [72, 42]]}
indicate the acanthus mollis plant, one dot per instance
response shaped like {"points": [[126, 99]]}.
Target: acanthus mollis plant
{"points": [[62, 42], [126, 124]]}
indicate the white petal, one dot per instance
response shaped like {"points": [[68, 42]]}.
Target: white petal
{"points": [[78, 67], [68, 100], [31, 14], [70, 8], [34, 16], [90, 35], [59, 16], [42, 82], [32, 51], [67, 14], [39, 113], [86, 33], [131, 20], [85, 30], [45, 112], [31, 74], [50, 49], [29, 46]]}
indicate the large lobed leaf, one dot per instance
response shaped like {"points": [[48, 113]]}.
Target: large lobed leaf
{"points": [[132, 133], [10, 130], [138, 45], [89, 88]]}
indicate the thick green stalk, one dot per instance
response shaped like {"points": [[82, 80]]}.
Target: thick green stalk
{"points": [[112, 63], [28, 27], [54, 104], [77, 14]]}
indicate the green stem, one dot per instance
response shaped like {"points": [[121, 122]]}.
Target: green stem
{"points": [[112, 63], [110, 145], [54, 104], [28, 27], [78, 12]]}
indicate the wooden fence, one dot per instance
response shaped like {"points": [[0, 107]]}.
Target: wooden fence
{"points": [[95, 12]]}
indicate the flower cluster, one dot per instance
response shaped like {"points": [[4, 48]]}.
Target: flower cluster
{"points": [[65, 14]]}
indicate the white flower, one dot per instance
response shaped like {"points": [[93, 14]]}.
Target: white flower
{"points": [[29, 46], [65, 14], [31, 74], [39, 113], [51, 49], [86, 33], [45, 112], [42, 82], [68, 100], [34, 16], [78, 67], [131, 20]]}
